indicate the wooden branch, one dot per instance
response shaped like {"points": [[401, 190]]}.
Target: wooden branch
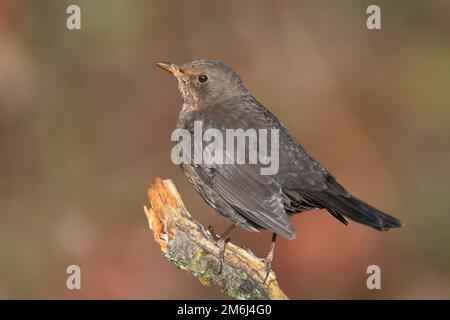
{"points": [[186, 244]]}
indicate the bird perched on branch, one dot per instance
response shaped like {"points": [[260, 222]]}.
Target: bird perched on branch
{"points": [[214, 95]]}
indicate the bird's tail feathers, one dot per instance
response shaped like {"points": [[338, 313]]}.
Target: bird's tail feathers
{"points": [[359, 211]]}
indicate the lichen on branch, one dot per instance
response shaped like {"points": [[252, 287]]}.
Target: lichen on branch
{"points": [[187, 245]]}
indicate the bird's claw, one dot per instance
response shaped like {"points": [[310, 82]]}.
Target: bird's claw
{"points": [[222, 243], [212, 235], [267, 266]]}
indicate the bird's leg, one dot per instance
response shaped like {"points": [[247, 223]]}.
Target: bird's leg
{"points": [[268, 259], [221, 243], [214, 236], [227, 232]]}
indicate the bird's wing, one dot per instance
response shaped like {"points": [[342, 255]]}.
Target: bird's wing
{"points": [[256, 197]]}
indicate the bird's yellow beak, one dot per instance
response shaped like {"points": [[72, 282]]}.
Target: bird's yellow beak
{"points": [[173, 69]]}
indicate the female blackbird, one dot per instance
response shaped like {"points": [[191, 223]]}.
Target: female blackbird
{"points": [[214, 94]]}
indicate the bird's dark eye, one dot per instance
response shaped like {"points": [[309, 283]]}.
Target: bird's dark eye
{"points": [[202, 78]]}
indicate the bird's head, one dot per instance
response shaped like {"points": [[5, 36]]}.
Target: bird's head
{"points": [[204, 83]]}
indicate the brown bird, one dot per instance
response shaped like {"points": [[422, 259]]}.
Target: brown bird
{"points": [[215, 95]]}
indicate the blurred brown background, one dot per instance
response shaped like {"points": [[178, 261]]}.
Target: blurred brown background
{"points": [[86, 118]]}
